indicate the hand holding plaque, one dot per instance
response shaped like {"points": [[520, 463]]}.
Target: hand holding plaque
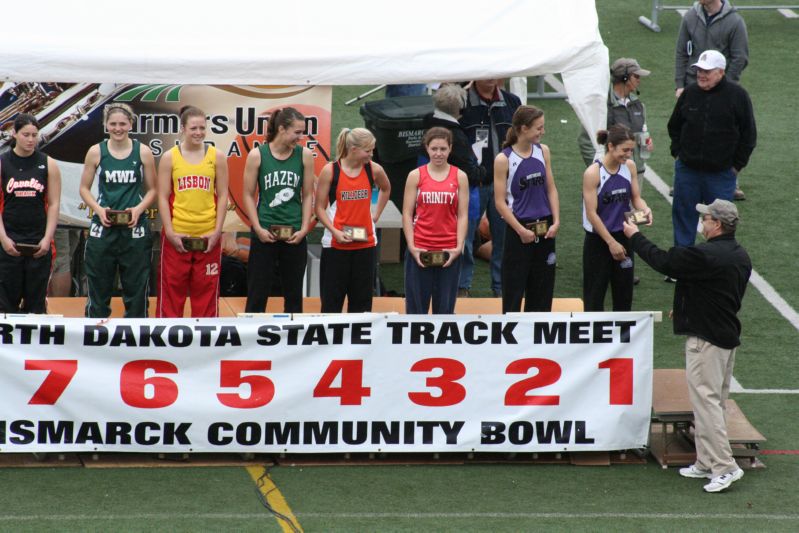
{"points": [[356, 233], [119, 218], [195, 244], [539, 227], [281, 232], [636, 216], [26, 250], [434, 258]]}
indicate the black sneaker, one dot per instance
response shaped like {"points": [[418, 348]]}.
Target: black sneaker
{"points": [[668, 279]]}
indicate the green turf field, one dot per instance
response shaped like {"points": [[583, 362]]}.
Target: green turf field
{"points": [[520, 497]]}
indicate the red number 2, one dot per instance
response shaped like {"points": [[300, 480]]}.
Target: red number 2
{"points": [[548, 373]]}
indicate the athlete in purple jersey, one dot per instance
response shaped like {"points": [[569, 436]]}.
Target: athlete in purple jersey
{"points": [[610, 188], [527, 199]]}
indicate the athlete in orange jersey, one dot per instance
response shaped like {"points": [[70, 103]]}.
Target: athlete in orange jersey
{"points": [[347, 267]]}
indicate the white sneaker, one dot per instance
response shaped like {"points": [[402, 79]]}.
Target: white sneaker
{"points": [[718, 484], [694, 471]]}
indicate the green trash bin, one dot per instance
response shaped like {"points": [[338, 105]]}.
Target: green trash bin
{"points": [[397, 126]]}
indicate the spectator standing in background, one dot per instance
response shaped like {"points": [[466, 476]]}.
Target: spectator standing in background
{"points": [[713, 133], [711, 25], [486, 119]]}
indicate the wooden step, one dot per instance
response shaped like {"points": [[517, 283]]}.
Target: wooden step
{"points": [[232, 306]]}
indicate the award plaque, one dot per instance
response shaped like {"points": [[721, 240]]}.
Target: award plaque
{"points": [[195, 244], [281, 232], [434, 259], [119, 218], [539, 227], [27, 249], [358, 233], [636, 216]]}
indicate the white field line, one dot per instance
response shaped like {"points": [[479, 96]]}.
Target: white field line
{"points": [[757, 281], [400, 515]]}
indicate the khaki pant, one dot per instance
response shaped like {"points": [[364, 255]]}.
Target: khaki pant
{"points": [[708, 372]]}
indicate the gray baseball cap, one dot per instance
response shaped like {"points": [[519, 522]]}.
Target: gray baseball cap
{"points": [[721, 210], [624, 66]]}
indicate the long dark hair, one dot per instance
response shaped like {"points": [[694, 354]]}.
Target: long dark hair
{"points": [[22, 120], [525, 115], [281, 117]]}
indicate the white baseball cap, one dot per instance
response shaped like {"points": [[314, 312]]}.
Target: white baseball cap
{"points": [[711, 59]]}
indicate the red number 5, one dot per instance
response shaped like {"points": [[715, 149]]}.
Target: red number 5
{"points": [[262, 389]]}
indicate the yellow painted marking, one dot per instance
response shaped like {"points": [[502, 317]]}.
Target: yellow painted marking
{"points": [[275, 498]]}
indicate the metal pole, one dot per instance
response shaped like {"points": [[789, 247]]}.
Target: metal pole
{"points": [[364, 95]]}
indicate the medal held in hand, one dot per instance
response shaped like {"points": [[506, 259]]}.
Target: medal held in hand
{"points": [[636, 216], [119, 218], [281, 232], [434, 258], [195, 244], [356, 233]]}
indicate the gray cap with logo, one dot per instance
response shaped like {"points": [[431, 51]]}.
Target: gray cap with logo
{"points": [[721, 210]]}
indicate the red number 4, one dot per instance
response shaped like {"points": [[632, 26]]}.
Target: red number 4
{"points": [[351, 390]]}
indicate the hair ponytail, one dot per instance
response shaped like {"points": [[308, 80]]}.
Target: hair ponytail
{"points": [[525, 115], [281, 117]]}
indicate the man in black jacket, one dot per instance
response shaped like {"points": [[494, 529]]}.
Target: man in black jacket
{"points": [[713, 133], [486, 119], [711, 281]]}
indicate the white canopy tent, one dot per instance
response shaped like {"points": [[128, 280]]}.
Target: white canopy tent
{"points": [[316, 42]]}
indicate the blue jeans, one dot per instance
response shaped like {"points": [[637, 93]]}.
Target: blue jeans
{"points": [[692, 187], [497, 241], [436, 284]]}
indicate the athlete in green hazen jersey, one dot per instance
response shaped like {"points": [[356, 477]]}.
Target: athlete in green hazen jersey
{"points": [[125, 173], [279, 174]]}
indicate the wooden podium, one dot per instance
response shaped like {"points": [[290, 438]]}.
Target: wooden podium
{"points": [[671, 433]]}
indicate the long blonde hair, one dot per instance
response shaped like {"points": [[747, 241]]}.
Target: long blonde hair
{"points": [[349, 138]]}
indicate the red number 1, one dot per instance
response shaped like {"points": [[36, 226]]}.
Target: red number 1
{"points": [[621, 380]]}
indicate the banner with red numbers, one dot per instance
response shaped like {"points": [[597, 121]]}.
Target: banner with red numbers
{"points": [[547, 382]]}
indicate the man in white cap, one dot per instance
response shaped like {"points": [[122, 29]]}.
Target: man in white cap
{"points": [[713, 133], [711, 25], [711, 281]]}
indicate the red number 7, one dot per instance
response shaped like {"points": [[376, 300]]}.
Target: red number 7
{"points": [[61, 373]]}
